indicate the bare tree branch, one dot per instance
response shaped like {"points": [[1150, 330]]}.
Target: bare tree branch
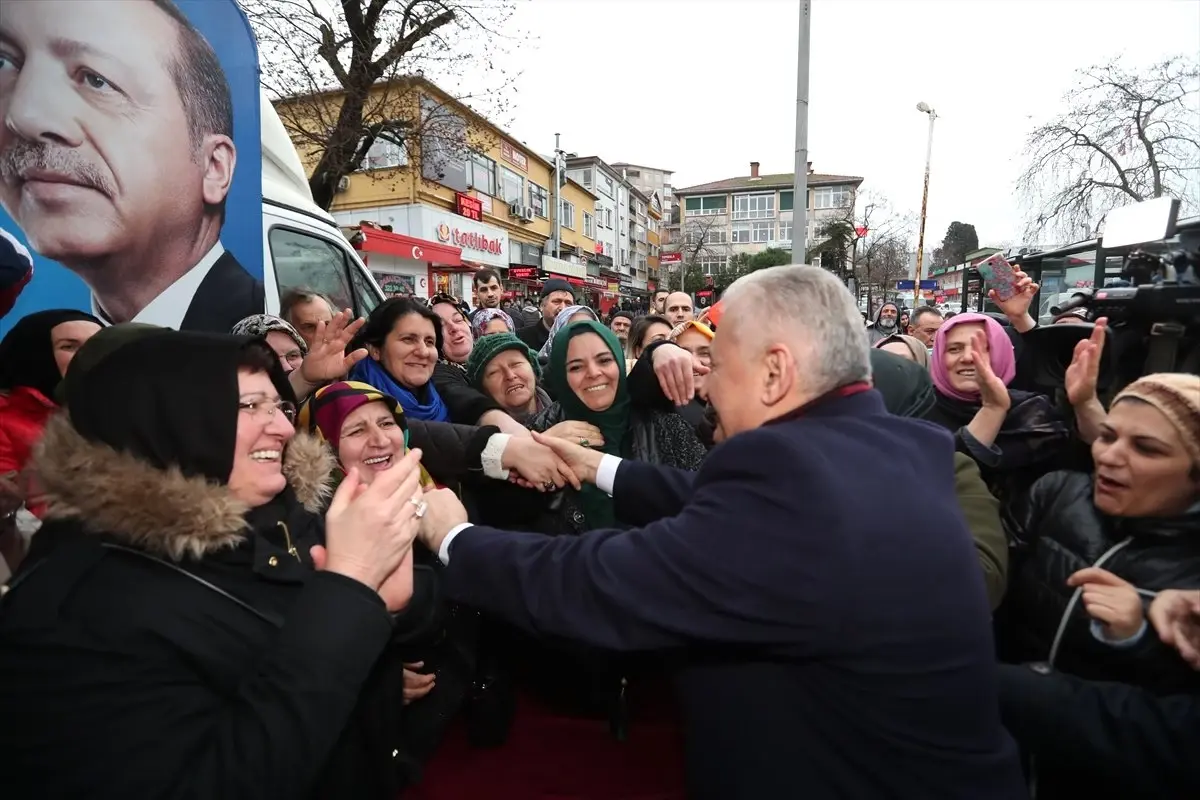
{"points": [[1127, 136], [345, 70]]}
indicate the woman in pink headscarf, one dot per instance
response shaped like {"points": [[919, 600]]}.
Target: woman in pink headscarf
{"points": [[1004, 430]]}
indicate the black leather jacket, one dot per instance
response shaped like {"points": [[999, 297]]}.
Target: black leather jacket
{"points": [[1059, 532]]}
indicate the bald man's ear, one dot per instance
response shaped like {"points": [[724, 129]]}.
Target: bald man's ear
{"points": [[780, 375], [219, 158]]}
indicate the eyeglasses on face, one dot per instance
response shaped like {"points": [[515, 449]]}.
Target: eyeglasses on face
{"points": [[265, 409]]}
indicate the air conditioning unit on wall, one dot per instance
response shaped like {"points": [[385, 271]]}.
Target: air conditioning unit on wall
{"points": [[527, 214], [516, 209]]}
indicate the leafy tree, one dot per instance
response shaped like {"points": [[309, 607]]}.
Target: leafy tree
{"points": [[959, 240], [771, 257], [344, 67], [835, 245], [1127, 135]]}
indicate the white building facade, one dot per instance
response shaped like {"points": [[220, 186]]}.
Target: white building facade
{"points": [[752, 213]]}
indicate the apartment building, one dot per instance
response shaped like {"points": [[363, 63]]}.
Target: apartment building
{"points": [[653, 240], [426, 214], [639, 243], [751, 213], [615, 266], [650, 180], [654, 180]]}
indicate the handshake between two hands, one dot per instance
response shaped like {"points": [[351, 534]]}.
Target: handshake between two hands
{"points": [[370, 528]]}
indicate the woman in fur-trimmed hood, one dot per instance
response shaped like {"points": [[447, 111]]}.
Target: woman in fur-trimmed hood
{"points": [[168, 634]]}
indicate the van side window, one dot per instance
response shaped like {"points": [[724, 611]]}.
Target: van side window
{"points": [[367, 295], [303, 260]]}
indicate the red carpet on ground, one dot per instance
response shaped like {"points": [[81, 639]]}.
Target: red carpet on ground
{"points": [[551, 757]]}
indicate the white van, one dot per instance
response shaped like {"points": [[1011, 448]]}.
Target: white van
{"points": [[302, 245]]}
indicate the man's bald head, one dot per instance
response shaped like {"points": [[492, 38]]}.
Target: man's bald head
{"points": [[679, 308], [788, 335]]}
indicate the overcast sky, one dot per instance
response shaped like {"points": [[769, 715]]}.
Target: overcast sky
{"points": [[704, 87]]}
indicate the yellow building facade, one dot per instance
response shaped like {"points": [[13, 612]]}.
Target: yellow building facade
{"points": [[448, 179]]}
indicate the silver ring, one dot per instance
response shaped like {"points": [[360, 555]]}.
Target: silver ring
{"points": [[548, 485], [420, 505]]}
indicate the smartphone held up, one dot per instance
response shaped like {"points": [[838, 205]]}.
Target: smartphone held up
{"points": [[998, 274]]}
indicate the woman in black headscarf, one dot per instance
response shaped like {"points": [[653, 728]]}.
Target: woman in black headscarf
{"points": [[33, 358], [169, 630]]}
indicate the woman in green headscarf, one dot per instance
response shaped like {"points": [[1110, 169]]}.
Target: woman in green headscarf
{"points": [[587, 374]]}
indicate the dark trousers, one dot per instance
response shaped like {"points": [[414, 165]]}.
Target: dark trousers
{"points": [[1102, 740]]}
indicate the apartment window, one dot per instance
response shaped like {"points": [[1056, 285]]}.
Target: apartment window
{"points": [[713, 266], [633, 173], [704, 206], [568, 215], [481, 174], [640, 233], [608, 218], [624, 257], [512, 186], [762, 232], [715, 235], [785, 231], [785, 200], [740, 233], [589, 225], [831, 197], [384, 154], [586, 178], [539, 200], [654, 251], [641, 263], [753, 206], [606, 185]]}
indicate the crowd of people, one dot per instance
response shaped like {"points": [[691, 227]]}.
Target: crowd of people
{"points": [[464, 549]]}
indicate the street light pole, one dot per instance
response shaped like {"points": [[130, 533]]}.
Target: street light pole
{"points": [[557, 195], [924, 109], [800, 184]]}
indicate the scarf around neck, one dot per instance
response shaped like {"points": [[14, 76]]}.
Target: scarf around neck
{"points": [[613, 422], [371, 372]]}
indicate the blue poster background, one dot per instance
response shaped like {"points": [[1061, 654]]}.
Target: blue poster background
{"points": [[227, 30]]}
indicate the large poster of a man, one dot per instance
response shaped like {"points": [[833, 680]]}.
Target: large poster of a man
{"points": [[130, 163]]}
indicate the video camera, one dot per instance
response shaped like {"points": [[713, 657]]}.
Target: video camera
{"points": [[1154, 321], [1164, 289]]}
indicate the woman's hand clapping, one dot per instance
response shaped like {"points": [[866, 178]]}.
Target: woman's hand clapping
{"points": [[1084, 370], [369, 532], [992, 391]]}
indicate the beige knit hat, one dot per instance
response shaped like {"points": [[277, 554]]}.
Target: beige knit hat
{"points": [[1177, 396]]}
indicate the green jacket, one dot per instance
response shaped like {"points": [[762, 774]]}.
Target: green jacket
{"points": [[982, 513]]}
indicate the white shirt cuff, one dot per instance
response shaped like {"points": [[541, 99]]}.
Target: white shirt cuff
{"points": [[444, 550], [606, 473], [492, 455]]}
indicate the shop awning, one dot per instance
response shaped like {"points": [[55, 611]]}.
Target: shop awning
{"points": [[400, 246]]}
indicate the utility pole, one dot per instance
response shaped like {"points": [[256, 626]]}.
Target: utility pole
{"points": [[800, 186], [924, 109]]}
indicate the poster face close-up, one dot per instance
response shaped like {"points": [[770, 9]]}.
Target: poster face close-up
{"points": [[130, 162]]}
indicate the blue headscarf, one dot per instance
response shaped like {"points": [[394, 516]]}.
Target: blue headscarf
{"points": [[371, 372]]}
